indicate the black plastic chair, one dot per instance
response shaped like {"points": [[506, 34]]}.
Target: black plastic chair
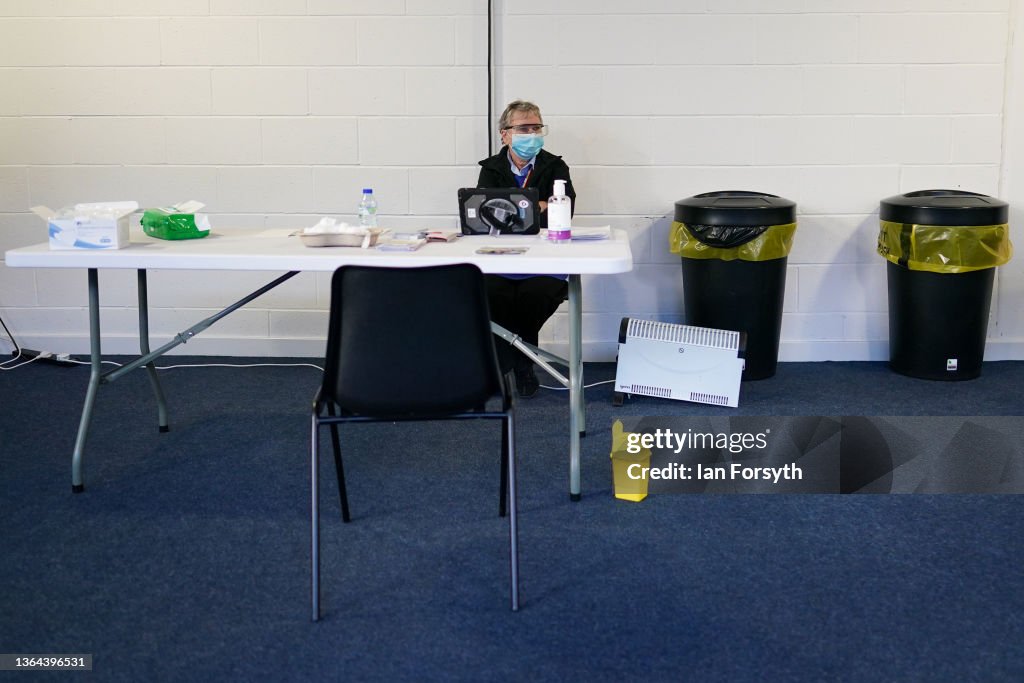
{"points": [[411, 344]]}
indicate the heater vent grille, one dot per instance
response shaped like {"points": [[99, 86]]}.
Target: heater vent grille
{"points": [[643, 390], [683, 334], [713, 399]]}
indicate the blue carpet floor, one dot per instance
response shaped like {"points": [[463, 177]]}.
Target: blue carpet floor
{"points": [[187, 556]]}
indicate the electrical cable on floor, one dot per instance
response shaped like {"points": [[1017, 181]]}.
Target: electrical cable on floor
{"points": [[10, 336], [85, 362], [585, 386], [17, 357], [211, 365], [15, 367], [251, 365], [17, 349]]}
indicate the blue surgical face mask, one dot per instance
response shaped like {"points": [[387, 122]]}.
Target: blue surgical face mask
{"points": [[526, 145]]}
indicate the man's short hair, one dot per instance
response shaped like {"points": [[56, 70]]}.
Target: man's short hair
{"points": [[517, 107]]}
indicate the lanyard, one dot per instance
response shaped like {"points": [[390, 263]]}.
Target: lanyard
{"points": [[523, 179]]}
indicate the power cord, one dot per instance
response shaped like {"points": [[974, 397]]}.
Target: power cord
{"points": [[585, 386], [65, 359], [247, 365], [33, 359], [33, 355], [210, 365], [235, 365], [17, 350]]}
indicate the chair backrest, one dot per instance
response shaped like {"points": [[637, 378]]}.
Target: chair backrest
{"points": [[413, 341]]}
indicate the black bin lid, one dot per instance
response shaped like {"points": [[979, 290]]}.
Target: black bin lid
{"points": [[736, 207], [944, 207]]}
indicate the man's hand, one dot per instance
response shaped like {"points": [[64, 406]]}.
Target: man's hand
{"points": [[543, 206]]}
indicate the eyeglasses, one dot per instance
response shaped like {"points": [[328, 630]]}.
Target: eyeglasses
{"points": [[528, 129]]}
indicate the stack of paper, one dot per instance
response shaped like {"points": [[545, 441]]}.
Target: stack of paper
{"points": [[401, 244], [602, 233]]}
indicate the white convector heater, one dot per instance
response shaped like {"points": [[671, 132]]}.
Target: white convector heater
{"points": [[686, 363]]}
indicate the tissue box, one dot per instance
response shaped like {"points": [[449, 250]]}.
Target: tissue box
{"points": [[98, 225]]}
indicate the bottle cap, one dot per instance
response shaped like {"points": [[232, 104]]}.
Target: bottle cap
{"points": [[367, 190], [559, 188]]}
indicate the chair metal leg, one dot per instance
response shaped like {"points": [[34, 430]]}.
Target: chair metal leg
{"points": [[513, 528], [503, 485], [508, 494], [314, 519], [338, 467]]}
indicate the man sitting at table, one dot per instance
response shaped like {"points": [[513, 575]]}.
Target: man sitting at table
{"points": [[523, 303]]}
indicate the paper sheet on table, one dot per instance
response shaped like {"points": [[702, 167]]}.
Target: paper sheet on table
{"points": [[601, 233]]}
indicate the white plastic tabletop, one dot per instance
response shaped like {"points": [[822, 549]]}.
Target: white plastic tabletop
{"points": [[274, 249]]}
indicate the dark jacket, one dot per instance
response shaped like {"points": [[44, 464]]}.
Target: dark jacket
{"points": [[547, 168]]}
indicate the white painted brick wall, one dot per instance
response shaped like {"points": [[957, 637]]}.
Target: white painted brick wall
{"points": [[705, 39], [260, 90], [337, 190], [344, 91], [807, 38], [310, 141], [36, 140], [355, 7], [851, 89], [933, 38], [264, 189], [434, 190], [407, 141], [302, 41], [446, 91], [954, 89], [140, 140], [85, 41], [213, 141], [103, 8], [406, 41], [257, 7], [275, 112], [205, 41]]}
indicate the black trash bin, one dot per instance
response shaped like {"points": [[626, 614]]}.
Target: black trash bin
{"points": [[942, 248], [734, 247]]}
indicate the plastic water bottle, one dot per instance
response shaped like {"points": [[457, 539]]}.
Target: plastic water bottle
{"points": [[559, 215], [368, 209]]}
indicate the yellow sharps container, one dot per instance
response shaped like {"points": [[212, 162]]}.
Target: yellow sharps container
{"points": [[630, 482]]}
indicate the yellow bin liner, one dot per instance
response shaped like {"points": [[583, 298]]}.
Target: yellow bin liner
{"points": [[774, 243], [626, 487], [945, 248]]}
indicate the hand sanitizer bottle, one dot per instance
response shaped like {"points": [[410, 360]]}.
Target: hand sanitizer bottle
{"points": [[559, 215]]}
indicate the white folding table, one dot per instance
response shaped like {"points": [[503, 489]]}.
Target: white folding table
{"points": [[249, 250]]}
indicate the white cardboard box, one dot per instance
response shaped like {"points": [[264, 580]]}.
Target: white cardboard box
{"points": [[97, 225]]}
